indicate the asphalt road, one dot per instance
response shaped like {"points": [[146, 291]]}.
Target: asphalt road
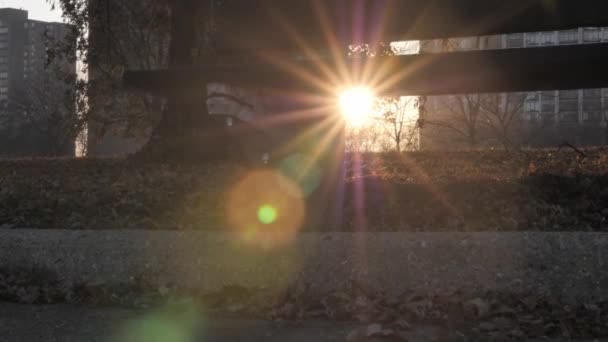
{"points": [[64, 323]]}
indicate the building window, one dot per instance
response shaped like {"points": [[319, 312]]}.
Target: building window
{"points": [[533, 116], [568, 100], [534, 96], [3, 45], [592, 117], [3, 75], [592, 105], [548, 117], [3, 90], [548, 101], [593, 95], [547, 109], [532, 104], [604, 34], [568, 117], [3, 29], [467, 44], [568, 37], [515, 41], [464, 44], [592, 34], [568, 105], [540, 39]]}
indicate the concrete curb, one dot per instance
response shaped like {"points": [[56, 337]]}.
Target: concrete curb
{"points": [[569, 265]]}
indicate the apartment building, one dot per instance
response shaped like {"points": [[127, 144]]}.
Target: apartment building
{"points": [[29, 83]]}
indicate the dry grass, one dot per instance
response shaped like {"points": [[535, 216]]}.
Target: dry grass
{"points": [[464, 191]]}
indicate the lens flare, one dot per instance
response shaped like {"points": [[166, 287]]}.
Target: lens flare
{"points": [[356, 105], [267, 214], [178, 322], [266, 209]]}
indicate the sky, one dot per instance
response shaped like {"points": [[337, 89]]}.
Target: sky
{"points": [[38, 9]]}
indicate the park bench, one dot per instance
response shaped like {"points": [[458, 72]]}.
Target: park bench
{"points": [[249, 26], [271, 26]]}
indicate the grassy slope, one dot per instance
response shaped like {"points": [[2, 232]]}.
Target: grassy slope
{"points": [[466, 191]]}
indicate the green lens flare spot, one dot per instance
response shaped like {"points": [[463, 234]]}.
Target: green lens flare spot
{"points": [[267, 214]]}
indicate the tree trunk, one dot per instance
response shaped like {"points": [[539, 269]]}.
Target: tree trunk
{"points": [[472, 137], [183, 108], [185, 131]]}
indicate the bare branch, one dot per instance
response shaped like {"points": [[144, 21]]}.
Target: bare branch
{"points": [[230, 97]]}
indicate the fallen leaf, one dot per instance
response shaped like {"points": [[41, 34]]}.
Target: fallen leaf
{"points": [[374, 330], [476, 308], [403, 324], [355, 335]]}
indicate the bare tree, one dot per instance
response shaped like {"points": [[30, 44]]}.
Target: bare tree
{"points": [[459, 114], [364, 138], [125, 34], [502, 112], [115, 35], [399, 121], [45, 116]]}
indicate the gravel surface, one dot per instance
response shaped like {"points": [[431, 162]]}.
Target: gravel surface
{"points": [[568, 264]]}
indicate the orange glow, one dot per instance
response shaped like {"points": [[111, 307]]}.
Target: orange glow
{"points": [[266, 209]]}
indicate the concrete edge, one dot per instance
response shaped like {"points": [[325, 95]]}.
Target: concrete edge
{"points": [[572, 265]]}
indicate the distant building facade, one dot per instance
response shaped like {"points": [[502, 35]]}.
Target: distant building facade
{"points": [[543, 118], [32, 87]]}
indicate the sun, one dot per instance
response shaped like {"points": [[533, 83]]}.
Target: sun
{"points": [[356, 105]]}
